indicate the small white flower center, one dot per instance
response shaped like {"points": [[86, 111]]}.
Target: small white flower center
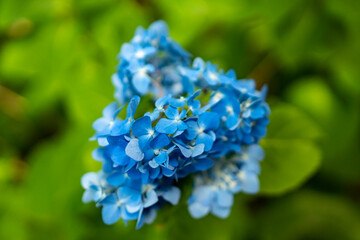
{"points": [[213, 76], [137, 38], [241, 175], [142, 71], [111, 123], [177, 119], [147, 188], [218, 96], [232, 184], [246, 104], [120, 202], [151, 132], [229, 109], [224, 138], [200, 130], [156, 152], [140, 54]]}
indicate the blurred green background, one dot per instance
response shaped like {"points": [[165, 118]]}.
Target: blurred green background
{"points": [[56, 60]]}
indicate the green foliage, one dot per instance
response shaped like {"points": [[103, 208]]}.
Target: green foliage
{"points": [[56, 60], [291, 155], [309, 215]]}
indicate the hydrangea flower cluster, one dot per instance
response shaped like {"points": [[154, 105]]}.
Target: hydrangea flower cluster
{"points": [[204, 123], [150, 63]]}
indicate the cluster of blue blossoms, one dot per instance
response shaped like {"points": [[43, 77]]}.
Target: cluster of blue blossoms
{"points": [[204, 123]]}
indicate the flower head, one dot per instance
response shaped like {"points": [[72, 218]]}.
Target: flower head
{"points": [[204, 122]]}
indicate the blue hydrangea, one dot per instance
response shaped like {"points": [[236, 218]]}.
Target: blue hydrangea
{"points": [[204, 122], [213, 190], [150, 64]]}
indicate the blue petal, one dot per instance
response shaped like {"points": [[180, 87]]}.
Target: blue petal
{"points": [[167, 172], [141, 82], [161, 102], [259, 131], [98, 154], [204, 164], [131, 164], [162, 157], [101, 124], [116, 179], [182, 114], [194, 95], [186, 151], [181, 126], [144, 142], [119, 157], [133, 150], [110, 213], [257, 113], [150, 198], [102, 141], [111, 111], [127, 51], [145, 176], [134, 174], [177, 133], [209, 121], [224, 198], [197, 210], [160, 141], [263, 92], [89, 179], [172, 195], [232, 121], [154, 173], [133, 104], [172, 112], [88, 196], [122, 127], [192, 130], [140, 219], [198, 63], [148, 51], [251, 184], [206, 140], [130, 209], [197, 150], [141, 126], [154, 115], [166, 126], [150, 216], [127, 215], [158, 28], [177, 102], [204, 195], [221, 212], [126, 192], [153, 164]]}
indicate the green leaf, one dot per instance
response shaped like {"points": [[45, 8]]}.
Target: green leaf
{"points": [[288, 164], [309, 215], [291, 155], [337, 119], [288, 122]]}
